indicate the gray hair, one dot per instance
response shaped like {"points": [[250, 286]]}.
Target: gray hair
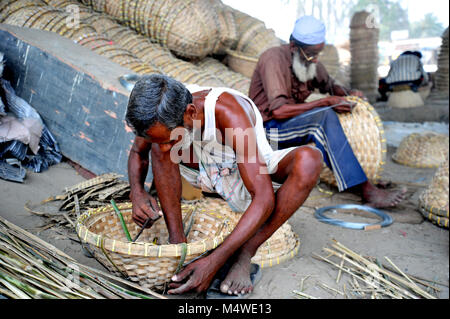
{"points": [[157, 98]]}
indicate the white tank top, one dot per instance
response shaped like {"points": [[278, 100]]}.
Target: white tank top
{"points": [[224, 153]]}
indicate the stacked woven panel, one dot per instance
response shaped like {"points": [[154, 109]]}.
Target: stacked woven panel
{"points": [[364, 51], [329, 57], [442, 71]]}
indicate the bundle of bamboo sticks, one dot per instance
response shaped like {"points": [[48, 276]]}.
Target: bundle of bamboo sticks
{"points": [[31, 268], [372, 279]]}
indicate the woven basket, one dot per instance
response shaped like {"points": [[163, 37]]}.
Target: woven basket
{"points": [[149, 264], [442, 79], [329, 57], [405, 99], [242, 63], [152, 265], [365, 133], [434, 201], [186, 27], [422, 150]]}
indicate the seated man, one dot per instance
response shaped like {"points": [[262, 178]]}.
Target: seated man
{"points": [[232, 158], [408, 70], [283, 79]]}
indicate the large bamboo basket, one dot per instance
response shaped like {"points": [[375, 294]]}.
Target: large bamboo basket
{"points": [[329, 57], [422, 150], [187, 27], [230, 78], [442, 81], [151, 261], [365, 133], [434, 201], [241, 63]]}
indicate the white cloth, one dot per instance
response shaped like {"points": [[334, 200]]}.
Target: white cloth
{"points": [[218, 170], [405, 68]]}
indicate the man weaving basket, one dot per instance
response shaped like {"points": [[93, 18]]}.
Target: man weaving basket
{"points": [[283, 79], [213, 137]]}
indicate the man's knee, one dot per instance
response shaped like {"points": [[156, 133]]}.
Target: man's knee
{"points": [[308, 165]]}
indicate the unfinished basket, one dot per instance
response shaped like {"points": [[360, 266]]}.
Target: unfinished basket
{"points": [[365, 133], [242, 63], [422, 150], [434, 201], [150, 261]]}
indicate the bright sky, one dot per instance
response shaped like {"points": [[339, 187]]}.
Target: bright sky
{"points": [[280, 15]]}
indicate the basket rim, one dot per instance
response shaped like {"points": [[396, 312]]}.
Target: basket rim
{"points": [[269, 262], [140, 248], [241, 55]]}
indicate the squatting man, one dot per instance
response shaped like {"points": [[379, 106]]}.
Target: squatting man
{"points": [[266, 186]]}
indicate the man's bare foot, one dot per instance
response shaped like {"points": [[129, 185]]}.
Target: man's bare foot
{"points": [[238, 280], [380, 198]]}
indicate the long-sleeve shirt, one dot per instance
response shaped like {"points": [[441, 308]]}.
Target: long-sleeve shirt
{"points": [[406, 68], [274, 84]]}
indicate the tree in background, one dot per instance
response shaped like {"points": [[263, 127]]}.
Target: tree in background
{"points": [[427, 27]]}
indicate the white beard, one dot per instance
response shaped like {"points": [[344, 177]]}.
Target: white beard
{"points": [[302, 72]]}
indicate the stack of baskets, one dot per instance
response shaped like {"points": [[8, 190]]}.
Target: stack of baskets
{"points": [[433, 202], [231, 79], [253, 39], [151, 261], [35, 14], [329, 57], [442, 71], [422, 150], [187, 27], [364, 50]]}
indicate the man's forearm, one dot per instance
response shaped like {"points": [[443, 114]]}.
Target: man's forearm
{"points": [[138, 164], [167, 179], [290, 110]]}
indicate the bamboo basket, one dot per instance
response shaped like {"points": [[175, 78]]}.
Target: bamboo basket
{"points": [[405, 98], [434, 201], [442, 81], [151, 261], [230, 78], [365, 133], [329, 57], [241, 63], [422, 150], [187, 27]]}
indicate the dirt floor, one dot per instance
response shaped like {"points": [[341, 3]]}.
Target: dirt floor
{"points": [[416, 246]]}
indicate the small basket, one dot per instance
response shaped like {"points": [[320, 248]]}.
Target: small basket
{"points": [[241, 63], [422, 150], [434, 201], [150, 261]]}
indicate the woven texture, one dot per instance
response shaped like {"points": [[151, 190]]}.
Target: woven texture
{"points": [[405, 99], [41, 16], [365, 133], [364, 54], [253, 36], [151, 261], [241, 63], [329, 57], [187, 27], [433, 202], [442, 83], [422, 150], [231, 79]]}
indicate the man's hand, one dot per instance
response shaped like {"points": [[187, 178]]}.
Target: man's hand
{"points": [[343, 105], [357, 93], [200, 273], [144, 206]]}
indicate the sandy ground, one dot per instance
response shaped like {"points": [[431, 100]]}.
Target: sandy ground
{"points": [[418, 247]]}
